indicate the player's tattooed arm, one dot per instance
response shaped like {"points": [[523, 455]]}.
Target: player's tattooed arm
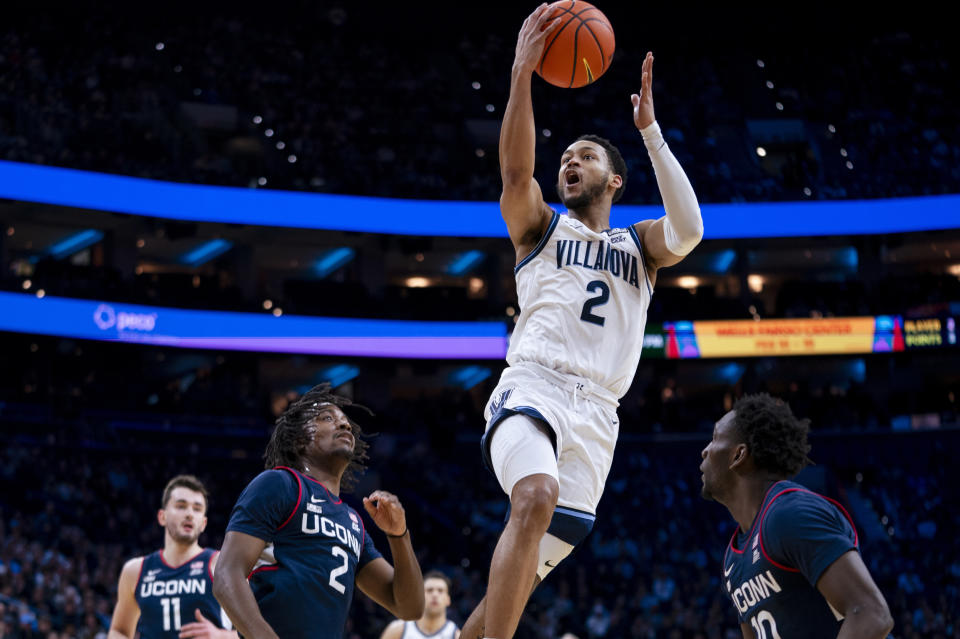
{"points": [[398, 588], [123, 624], [237, 558], [667, 240], [521, 203], [849, 588]]}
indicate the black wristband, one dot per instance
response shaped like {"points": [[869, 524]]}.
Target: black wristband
{"points": [[405, 531]]}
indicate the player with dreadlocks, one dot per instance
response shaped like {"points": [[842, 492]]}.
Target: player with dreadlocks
{"points": [[793, 566], [294, 550]]}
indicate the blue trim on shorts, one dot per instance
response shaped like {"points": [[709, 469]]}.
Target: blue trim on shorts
{"points": [[571, 526], [573, 512], [502, 413], [568, 524]]}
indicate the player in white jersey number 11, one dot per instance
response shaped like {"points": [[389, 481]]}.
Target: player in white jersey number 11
{"points": [[584, 289]]}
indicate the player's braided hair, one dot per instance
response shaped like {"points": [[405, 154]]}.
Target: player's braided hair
{"points": [[290, 436], [617, 162], [776, 439]]}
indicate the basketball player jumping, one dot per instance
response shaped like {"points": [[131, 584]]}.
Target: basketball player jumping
{"points": [[169, 593], [434, 623], [583, 289], [793, 566], [294, 550]]}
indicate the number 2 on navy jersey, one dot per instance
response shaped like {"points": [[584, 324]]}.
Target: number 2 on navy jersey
{"points": [[336, 572], [587, 313]]}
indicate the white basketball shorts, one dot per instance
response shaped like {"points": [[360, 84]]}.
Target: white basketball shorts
{"points": [[582, 419]]}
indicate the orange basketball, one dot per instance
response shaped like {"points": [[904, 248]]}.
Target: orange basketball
{"points": [[580, 50]]}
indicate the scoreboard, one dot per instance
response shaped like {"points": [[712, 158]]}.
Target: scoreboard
{"points": [[788, 337]]}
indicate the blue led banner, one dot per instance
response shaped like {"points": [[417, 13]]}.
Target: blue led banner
{"points": [[218, 330], [198, 203], [107, 321]]}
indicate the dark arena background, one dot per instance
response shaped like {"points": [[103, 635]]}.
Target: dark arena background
{"points": [[207, 210]]}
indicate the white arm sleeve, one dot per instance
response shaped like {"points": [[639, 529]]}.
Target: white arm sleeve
{"points": [[683, 226]]}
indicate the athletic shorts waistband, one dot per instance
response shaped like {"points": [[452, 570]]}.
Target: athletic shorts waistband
{"points": [[582, 386]]}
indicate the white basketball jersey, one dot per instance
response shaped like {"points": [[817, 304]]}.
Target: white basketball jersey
{"points": [[412, 631], [583, 304]]}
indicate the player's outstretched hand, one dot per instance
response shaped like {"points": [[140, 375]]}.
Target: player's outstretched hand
{"points": [[203, 628], [643, 103], [387, 513], [532, 38]]}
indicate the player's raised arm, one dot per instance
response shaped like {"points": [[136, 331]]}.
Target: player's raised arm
{"points": [[238, 556], [850, 590], [123, 624], [521, 202], [667, 240], [398, 588]]}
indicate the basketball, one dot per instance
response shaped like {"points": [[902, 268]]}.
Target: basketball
{"points": [[581, 48]]}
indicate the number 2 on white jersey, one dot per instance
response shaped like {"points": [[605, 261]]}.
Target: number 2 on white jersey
{"points": [[587, 314]]}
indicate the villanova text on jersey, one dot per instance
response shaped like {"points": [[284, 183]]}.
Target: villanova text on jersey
{"points": [[602, 257], [770, 574], [316, 544], [168, 595]]}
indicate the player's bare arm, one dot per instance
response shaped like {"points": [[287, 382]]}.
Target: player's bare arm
{"points": [[667, 240], [521, 202], [123, 624], [747, 631], [394, 630], [398, 588], [237, 558], [849, 588]]}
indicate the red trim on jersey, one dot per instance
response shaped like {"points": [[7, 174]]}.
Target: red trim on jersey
{"points": [[262, 569], [296, 506], [764, 514], [801, 490], [753, 525], [143, 560], [210, 564], [856, 537], [164, 561], [730, 545], [329, 494]]}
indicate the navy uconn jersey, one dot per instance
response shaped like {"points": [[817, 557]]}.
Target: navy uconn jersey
{"points": [[770, 574], [316, 544], [168, 595]]}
